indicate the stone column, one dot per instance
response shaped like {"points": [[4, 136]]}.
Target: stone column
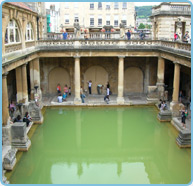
{"points": [[19, 85], [120, 98], [31, 66], [24, 84], [5, 102], [77, 99], [176, 85], [160, 77], [36, 75]]}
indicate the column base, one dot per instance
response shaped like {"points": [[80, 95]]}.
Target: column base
{"points": [[160, 88], [77, 101], [175, 107], [120, 100]]}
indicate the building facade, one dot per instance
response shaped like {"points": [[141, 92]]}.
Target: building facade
{"points": [[131, 66], [97, 14], [167, 17], [53, 19]]}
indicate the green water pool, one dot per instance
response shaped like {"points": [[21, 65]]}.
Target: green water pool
{"points": [[103, 145]]}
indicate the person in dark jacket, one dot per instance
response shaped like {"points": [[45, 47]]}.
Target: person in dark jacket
{"points": [[128, 35]]}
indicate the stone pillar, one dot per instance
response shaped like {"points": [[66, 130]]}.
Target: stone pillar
{"points": [[174, 106], [77, 99], [31, 66], [120, 98], [160, 77], [176, 83], [24, 84], [5, 102], [35, 77], [19, 85]]}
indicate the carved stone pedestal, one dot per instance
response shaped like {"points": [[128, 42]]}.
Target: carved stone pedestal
{"points": [[9, 159], [19, 136], [165, 115]]}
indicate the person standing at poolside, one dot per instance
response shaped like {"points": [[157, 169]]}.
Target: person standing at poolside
{"points": [[82, 94], [66, 90], [184, 114], [59, 88], [89, 87]]}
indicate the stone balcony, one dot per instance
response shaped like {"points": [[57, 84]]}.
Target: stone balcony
{"points": [[171, 9], [100, 42]]}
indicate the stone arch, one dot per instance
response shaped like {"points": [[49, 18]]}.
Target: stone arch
{"points": [[98, 75], [133, 80], [58, 75], [18, 23]]}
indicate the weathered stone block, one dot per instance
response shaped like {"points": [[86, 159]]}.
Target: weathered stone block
{"points": [[184, 138], [9, 160], [165, 115], [35, 113], [6, 135], [19, 136]]}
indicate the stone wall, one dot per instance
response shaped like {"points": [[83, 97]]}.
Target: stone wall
{"points": [[99, 70]]}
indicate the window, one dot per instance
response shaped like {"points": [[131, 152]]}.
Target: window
{"points": [[116, 22], [76, 19], [99, 20], [116, 5], [66, 5], [91, 20], [91, 6], [66, 18], [124, 5], [99, 6], [107, 19], [124, 19], [12, 33], [29, 32], [108, 7]]}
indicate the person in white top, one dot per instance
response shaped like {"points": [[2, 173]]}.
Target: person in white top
{"points": [[89, 87], [60, 98]]}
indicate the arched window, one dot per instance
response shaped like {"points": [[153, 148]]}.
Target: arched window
{"points": [[29, 36], [12, 33]]}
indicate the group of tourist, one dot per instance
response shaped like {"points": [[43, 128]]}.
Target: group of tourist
{"points": [[67, 91], [162, 105], [185, 39], [27, 119]]}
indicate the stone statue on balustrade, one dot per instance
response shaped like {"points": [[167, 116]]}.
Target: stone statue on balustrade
{"points": [[122, 29], [179, 28], [77, 30]]}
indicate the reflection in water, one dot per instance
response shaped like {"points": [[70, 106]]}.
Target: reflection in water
{"points": [[103, 145]]}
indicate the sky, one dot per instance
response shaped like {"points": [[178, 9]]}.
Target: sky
{"points": [[136, 4]]}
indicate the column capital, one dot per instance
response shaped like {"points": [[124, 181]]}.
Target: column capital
{"points": [[176, 63], [121, 56], [5, 75], [76, 57]]}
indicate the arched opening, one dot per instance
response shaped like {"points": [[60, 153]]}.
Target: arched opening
{"points": [[58, 75], [29, 35], [98, 75], [133, 80], [12, 34]]}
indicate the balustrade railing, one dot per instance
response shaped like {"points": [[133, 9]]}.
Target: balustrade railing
{"points": [[168, 45], [93, 35], [174, 9]]}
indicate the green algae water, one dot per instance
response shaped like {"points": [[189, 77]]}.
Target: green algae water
{"points": [[103, 145]]}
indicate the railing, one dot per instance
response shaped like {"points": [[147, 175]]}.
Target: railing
{"points": [[116, 44], [94, 35], [172, 9]]}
